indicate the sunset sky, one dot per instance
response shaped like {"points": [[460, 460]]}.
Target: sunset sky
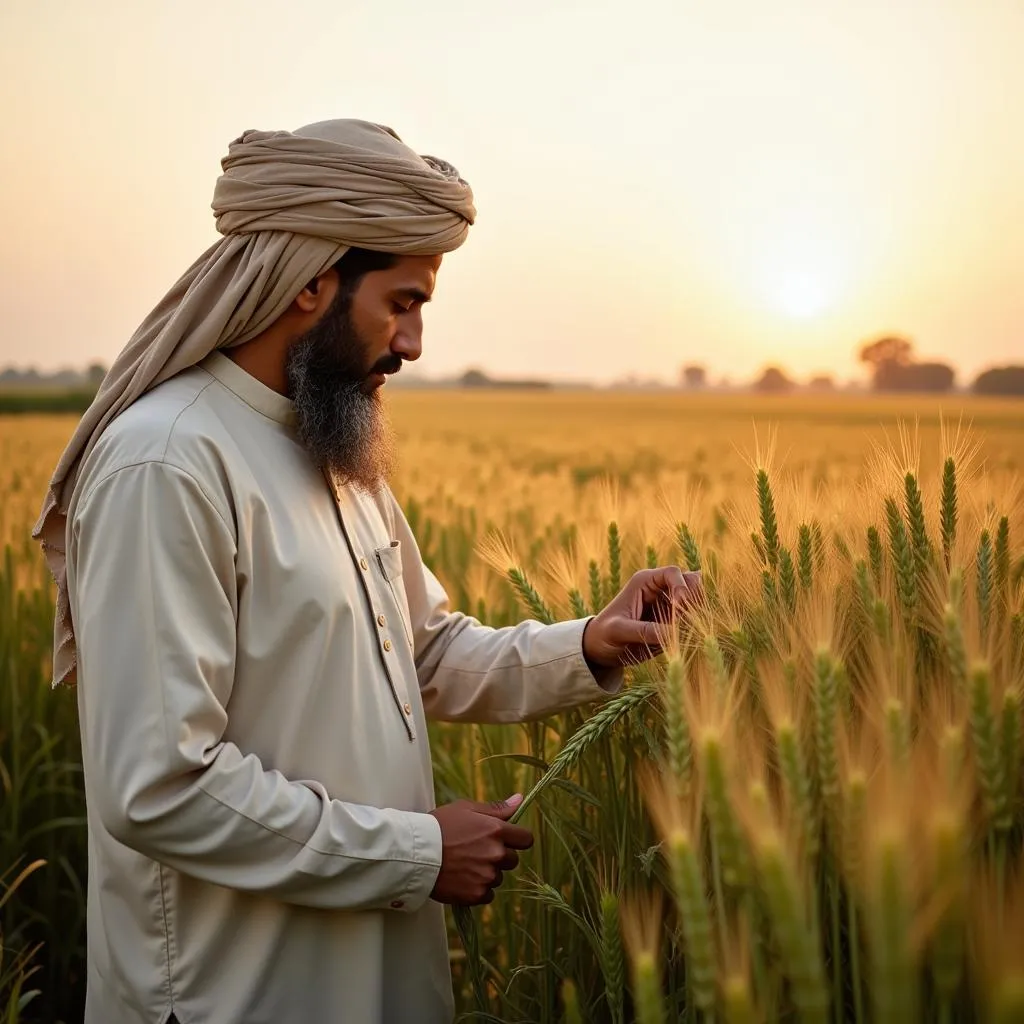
{"points": [[731, 182]]}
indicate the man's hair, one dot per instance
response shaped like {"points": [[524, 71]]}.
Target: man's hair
{"points": [[356, 263]]}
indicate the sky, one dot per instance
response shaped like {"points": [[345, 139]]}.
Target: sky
{"points": [[735, 183]]}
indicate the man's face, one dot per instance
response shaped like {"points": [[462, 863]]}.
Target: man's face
{"points": [[335, 370]]}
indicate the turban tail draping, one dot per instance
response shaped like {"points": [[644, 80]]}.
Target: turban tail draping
{"points": [[288, 205]]}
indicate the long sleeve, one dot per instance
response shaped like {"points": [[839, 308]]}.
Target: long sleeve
{"points": [[152, 567], [470, 672]]}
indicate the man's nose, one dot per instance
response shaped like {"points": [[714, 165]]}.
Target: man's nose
{"points": [[408, 343]]}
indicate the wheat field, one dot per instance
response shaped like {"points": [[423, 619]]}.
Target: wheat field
{"points": [[808, 808]]}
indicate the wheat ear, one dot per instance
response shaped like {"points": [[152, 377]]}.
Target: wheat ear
{"points": [[590, 732]]}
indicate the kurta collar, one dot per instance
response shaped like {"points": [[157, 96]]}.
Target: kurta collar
{"points": [[251, 391]]}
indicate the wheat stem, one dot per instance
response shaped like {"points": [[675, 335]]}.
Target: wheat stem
{"points": [[947, 949], [797, 783], [837, 960], [572, 1014], [612, 957], [985, 744], [724, 828], [1009, 752], [650, 1007], [677, 730], [827, 762], [897, 731], [893, 967], [465, 923], [694, 918], [796, 934], [737, 1003]]}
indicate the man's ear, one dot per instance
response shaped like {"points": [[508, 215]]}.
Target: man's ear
{"points": [[319, 293]]}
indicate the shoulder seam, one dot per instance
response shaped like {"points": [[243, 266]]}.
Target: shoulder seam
{"points": [[157, 462], [181, 412]]}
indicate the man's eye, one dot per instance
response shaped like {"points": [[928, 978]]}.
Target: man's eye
{"points": [[399, 308]]}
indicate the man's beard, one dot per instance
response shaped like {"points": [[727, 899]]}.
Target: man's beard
{"points": [[342, 425]]}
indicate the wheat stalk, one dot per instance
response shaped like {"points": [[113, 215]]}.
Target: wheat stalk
{"points": [[949, 508], [612, 959], [769, 522], [688, 547], [597, 726], [805, 565]]}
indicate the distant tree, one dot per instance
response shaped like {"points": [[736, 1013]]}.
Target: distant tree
{"points": [[822, 382], [95, 374], [890, 349], [893, 367], [914, 377], [927, 377], [474, 379], [1000, 380], [773, 380], [694, 377], [887, 357]]}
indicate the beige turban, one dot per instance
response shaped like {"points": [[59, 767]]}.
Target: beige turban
{"points": [[289, 205]]}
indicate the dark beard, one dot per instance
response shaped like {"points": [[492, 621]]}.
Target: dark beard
{"points": [[341, 425]]}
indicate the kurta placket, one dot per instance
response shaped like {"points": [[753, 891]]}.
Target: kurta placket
{"points": [[374, 568]]}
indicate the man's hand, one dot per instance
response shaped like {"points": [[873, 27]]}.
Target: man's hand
{"points": [[631, 627], [477, 847]]}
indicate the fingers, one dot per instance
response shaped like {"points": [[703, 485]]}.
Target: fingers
{"points": [[515, 837], [501, 808], [627, 630], [670, 579], [668, 588], [510, 861]]}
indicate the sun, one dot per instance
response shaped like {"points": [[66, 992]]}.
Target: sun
{"points": [[803, 294]]}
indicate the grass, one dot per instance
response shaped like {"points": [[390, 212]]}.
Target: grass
{"points": [[809, 809]]}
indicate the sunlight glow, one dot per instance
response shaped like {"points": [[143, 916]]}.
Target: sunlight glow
{"points": [[805, 265], [803, 294]]}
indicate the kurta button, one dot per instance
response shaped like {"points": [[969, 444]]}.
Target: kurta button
{"points": [[381, 621], [397, 904], [408, 709], [387, 645], [363, 564]]}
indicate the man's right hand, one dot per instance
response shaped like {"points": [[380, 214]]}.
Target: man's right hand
{"points": [[478, 846]]}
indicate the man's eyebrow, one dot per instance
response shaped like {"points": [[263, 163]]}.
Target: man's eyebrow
{"points": [[416, 294]]}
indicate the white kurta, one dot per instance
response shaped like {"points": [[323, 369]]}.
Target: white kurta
{"points": [[258, 657]]}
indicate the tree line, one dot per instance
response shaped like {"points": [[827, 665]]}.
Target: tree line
{"points": [[893, 367]]}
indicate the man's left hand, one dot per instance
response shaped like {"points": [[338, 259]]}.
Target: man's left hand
{"points": [[632, 626]]}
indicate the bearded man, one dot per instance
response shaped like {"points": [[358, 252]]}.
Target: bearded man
{"points": [[256, 642]]}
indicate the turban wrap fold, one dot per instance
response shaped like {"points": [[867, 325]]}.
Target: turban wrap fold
{"points": [[288, 206]]}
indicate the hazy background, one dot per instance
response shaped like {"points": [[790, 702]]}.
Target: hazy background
{"points": [[731, 182]]}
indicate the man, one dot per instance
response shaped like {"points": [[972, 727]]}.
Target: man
{"points": [[256, 641]]}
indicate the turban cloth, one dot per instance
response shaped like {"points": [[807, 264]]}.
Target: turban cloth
{"points": [[288, 205]]}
